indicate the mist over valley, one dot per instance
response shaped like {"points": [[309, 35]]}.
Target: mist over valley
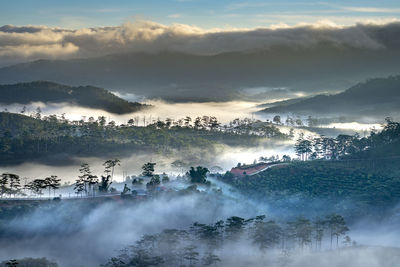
{"points": [[198, 133]]}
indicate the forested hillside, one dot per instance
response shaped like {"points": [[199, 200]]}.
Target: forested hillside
{"points": [[86, 96], [364, 172], [27, 138]]}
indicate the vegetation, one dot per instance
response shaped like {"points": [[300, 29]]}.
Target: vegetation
{"points": [[363, 171], [200, 245], [198, 175], [23, 137], [28, 262], [49, 92]]}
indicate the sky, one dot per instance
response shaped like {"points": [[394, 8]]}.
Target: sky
{"points": [[75, 14]]}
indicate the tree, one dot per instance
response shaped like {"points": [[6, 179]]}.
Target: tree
{"points": [[148, 169], [234, 227], [36, 186], [110, 165], [13, 181], [213, 123], [165, 178], [303, 148], [277, 119], [105, 184], [302, 230], [191, 255], [319, 228], [197, 123], [299, 122], [266, 234], [79, 187], [38, 114], [210, 259], [154, 181], [52, 182], [12, 263], [198, 175], [337, 227], [3, 185], [92, 180], [82, 180], [187, 121], [286, 158]]}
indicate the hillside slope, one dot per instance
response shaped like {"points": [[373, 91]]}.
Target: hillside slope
{"points": [[86, 96], [183, 77], [379, 97]]}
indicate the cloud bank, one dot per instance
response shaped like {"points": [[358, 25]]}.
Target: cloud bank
{"points": [[26, 43]]}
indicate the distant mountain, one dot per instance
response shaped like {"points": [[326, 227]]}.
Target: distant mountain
{"points": [[181, 77], [49, 92], [281, 103], [375, 97]]}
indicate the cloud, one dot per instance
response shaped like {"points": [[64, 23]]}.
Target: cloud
{"points": [[19, 44]]}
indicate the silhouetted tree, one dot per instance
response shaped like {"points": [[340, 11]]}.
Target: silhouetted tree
{"points": [[148, 169], [198, 175]]}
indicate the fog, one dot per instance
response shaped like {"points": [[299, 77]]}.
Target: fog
{"points": [[222, 156], [74, 235], [226, 111]]}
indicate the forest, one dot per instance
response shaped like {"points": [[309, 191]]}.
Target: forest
{"points": [[34, 137], [348, 173], [197, 245]]}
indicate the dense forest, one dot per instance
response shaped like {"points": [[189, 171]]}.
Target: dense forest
{"points": [[349, 173], [23, 138], [49, 92]]}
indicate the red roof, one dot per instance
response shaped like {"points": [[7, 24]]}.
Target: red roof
{"points": [[249, 169]]}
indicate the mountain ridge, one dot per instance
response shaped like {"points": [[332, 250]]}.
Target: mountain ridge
{"points": [[51, 92], [378, 96]]}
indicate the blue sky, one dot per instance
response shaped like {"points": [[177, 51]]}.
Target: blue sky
{"points": [[202, 13]]}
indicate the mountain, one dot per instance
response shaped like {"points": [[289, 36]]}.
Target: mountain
{"points": [[282, 102], [379, 97], [49, 92], [175, 76]]}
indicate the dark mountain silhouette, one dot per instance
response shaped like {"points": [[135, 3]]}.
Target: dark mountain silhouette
{"points": [[184, 77], [379, 97], [86, 96]]}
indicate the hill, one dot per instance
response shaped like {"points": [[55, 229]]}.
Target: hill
{"points": [[24, 138], [356, 182], [175, 76], [282, 102], [375, 97], [85, 96]]}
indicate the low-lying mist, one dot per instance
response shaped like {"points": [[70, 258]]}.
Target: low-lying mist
{"points": [[73, 233], [225, 112], [222, 157]]}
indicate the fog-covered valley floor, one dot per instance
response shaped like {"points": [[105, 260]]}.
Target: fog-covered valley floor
{"points": [[73, 234]]}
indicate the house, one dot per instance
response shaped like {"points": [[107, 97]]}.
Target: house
{"points": [[249, 170]]}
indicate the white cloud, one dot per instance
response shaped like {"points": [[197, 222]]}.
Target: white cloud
{"points": [[19, 44]]}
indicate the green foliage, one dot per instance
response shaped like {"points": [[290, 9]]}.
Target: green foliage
{"points": [[198, 175], [148, 169], [26, 138], [363, 171]]}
